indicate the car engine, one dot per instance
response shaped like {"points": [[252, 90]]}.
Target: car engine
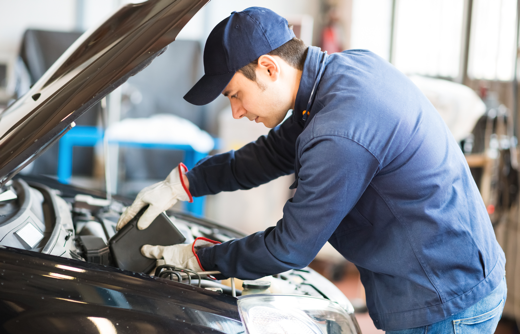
{"points": [[78, 226]]}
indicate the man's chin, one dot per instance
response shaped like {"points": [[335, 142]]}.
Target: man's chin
{"points": [[263, 121], [271, 123], [268, 125], [274, 123]]}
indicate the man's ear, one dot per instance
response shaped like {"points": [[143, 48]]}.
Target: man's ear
{"points": [[268, 67]]}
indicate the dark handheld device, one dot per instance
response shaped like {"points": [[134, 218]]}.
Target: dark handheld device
{"points": [[125, 245]]}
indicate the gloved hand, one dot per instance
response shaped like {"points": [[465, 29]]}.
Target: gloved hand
{"points": [[183, 256], [161, 196]]}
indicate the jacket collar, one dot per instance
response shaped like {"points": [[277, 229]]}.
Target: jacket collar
{"points": [[311, 68]]}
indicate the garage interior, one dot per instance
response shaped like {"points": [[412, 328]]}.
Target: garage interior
{"points": [[463, 54]]}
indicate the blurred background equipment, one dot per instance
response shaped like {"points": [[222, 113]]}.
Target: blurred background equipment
{"points": [[39, 49], [7, 82]]}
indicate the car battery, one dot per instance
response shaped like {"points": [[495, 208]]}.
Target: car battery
{"points": [[125, 246], [94, 249]]}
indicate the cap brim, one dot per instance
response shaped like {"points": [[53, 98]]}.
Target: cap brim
{"points": [[208, 88]]}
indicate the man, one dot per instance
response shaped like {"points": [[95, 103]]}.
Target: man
{"points": [[377, 172]]}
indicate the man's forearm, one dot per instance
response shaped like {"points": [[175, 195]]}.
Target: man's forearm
{"points": [[186, 181], [254, 164]]}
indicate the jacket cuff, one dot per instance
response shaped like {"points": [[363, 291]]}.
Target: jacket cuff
{"points": [[198, 245], [194, 179]]}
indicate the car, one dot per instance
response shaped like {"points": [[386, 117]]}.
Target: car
{"points": [[57, 273]]}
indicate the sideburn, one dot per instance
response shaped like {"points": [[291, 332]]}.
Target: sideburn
{"points": [[261, 85], [249, 72]]}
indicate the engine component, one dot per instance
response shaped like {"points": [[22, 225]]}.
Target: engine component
{"points": [[7, 195], [94, 249], [90, 203], [255, 287], [92, 228], [168, 271], [126, 245]]}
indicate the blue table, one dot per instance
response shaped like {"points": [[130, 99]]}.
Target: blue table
{"points": [[90, 136]]}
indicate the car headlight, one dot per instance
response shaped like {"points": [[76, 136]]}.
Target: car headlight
{"points": [[274, 314]]}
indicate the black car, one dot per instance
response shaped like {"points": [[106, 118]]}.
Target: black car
{"points": [[57, 274]]}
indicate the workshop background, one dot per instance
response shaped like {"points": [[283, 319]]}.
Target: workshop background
{"points": [[462, 53]]}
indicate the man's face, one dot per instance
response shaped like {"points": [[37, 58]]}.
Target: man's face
{"points": [[264, 101]]}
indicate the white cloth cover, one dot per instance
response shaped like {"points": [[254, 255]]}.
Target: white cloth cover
{"points": [[161, 129], [459, 106]]}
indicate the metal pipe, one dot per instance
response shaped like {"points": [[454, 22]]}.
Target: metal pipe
{"points": [[515, 74], [233, 289], [392, 32], [208, 272], [106, 155], [466, 39]]}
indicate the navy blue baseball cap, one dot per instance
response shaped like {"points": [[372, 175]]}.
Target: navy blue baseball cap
{"points": [[235, 42]]}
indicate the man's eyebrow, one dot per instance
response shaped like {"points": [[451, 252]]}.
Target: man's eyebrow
{"points": [[226, 93]]}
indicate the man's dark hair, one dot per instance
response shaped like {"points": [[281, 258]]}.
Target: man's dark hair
{"points": [[293, 52]]}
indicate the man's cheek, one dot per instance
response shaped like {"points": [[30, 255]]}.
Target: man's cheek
{"points": [[250, 108]]}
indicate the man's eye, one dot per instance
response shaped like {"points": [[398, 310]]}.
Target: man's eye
{"points": [[234, 96]]}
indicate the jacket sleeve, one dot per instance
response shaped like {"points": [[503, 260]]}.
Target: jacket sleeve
{"points": [[334, 173], [254, 164]]}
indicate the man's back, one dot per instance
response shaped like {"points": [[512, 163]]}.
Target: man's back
{"points": [[419, 233]]}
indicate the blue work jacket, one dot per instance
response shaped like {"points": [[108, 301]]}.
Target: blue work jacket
{"points": [[379, 176]]}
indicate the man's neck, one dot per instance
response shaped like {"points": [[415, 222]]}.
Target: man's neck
{"points": [[295, 85]]}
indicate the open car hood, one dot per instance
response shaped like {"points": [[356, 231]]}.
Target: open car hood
{"points": [[101, 60]]}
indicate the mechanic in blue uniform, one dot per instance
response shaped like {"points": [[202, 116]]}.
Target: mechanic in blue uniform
{"points": [[378, 175]]}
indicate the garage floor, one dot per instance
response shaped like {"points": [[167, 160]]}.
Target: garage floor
{"points": [[351, 286]]}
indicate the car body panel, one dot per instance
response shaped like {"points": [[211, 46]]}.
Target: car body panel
{"points": [[47, 294]]}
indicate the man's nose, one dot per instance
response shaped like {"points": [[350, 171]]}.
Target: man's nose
{"points": [[238, 110]]}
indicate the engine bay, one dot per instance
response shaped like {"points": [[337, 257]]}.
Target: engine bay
{"points": [[38, 218]]}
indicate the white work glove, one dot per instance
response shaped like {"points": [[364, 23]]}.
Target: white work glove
{"points": [[161, 196], [181, 256]]}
